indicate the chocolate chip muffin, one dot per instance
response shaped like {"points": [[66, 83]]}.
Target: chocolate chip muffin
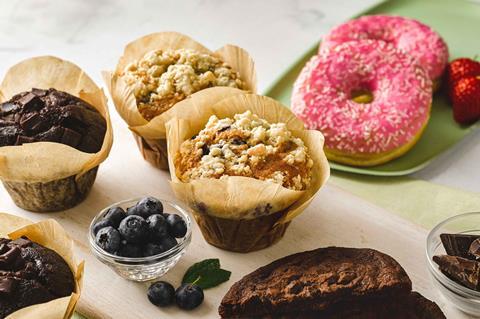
{"points": [[31, 274], [51, 116]]}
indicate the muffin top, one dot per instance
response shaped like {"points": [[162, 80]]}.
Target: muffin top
{"points": [[246, 146], [31, 274], [162, 78], [51, 116]]}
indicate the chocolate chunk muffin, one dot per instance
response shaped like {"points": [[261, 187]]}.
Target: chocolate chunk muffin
{"points": [[332, 282], [51, 116], [31, 274]]}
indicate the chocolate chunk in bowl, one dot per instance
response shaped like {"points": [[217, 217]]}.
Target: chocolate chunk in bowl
{"points": [[457, 244], [158, 71], [54, 132]]}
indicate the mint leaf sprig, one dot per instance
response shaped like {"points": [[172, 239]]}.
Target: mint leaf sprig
{"points": [[206, 274]]}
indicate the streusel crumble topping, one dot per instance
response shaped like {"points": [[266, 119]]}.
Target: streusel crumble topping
{"points": [[246, 146], [162, 78]]}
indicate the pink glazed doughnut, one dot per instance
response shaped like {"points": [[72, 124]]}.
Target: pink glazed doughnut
{"points": [[411, 36], [359, 133]]}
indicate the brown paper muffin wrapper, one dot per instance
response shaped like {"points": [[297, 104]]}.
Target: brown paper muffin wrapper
{"points": [[45, 176], [50, 234], [241, 235], [246, 205], [153, 131]]}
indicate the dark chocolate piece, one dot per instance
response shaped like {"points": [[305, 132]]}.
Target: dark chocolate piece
{"points": [[30, 101], [462, 270], [474, 249], [8, 258], [457, 244], [8, 107], [51, 116], [7, 285]]}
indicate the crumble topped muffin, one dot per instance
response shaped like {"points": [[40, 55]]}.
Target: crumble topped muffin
{"points": [[162, 78], [246, 146]]}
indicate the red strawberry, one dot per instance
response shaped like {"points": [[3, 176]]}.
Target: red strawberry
{"points": [[466, 100], [459, 69]]}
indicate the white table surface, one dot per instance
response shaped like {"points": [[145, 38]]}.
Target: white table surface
{"points": [[92, 33]]}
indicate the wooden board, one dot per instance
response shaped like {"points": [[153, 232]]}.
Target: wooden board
{"points": [[334, 218]]}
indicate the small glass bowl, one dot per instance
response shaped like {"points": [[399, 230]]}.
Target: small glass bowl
{"points": [[465, 299], [143, 268]]}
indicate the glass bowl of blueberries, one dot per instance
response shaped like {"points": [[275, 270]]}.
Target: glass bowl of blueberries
{"points": [[141, 239]]}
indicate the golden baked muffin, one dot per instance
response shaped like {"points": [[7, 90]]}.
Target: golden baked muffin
{"points": [[159, 71], [246, 146], [162, 78], [244, 164]]}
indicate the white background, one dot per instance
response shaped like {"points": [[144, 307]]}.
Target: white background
{"points": [[92, 34]]}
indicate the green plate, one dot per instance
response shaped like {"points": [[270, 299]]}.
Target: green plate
{"points": [[458, 21]]}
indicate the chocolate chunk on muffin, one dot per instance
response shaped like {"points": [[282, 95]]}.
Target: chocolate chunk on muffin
{"points": [[31, 274], [51, 116], [331, 282]]}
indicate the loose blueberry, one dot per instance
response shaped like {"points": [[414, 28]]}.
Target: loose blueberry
{"points": [[157, 227], [161, 294], [176, 225], [146, 206], [130, 250], [99, 225], [189, 296], [115, 215], [133, 228], [108, 238]]}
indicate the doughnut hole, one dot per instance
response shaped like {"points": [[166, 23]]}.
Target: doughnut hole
{"points": [[361, 96]]}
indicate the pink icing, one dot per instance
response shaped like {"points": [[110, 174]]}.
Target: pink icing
{"points": [[411, 36], [401, 88]]}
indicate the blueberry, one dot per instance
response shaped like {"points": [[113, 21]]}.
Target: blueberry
{"points": [[165, 244], [152, 249], [130, 250], [176, 226], [168, 243], [99, 225], [161, 294], [157, 227], [108, 238], [145, 207], [189, 296], [133, 228], [115, 215]]}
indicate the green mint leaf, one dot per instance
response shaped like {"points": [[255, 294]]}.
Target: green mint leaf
{"points": [[213, 278], [206, 274], [197, 269]]}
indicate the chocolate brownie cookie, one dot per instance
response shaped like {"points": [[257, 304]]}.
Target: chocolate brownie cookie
{"points": [[328, 283], [31, 274], [51, 116], [316, 281]]}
